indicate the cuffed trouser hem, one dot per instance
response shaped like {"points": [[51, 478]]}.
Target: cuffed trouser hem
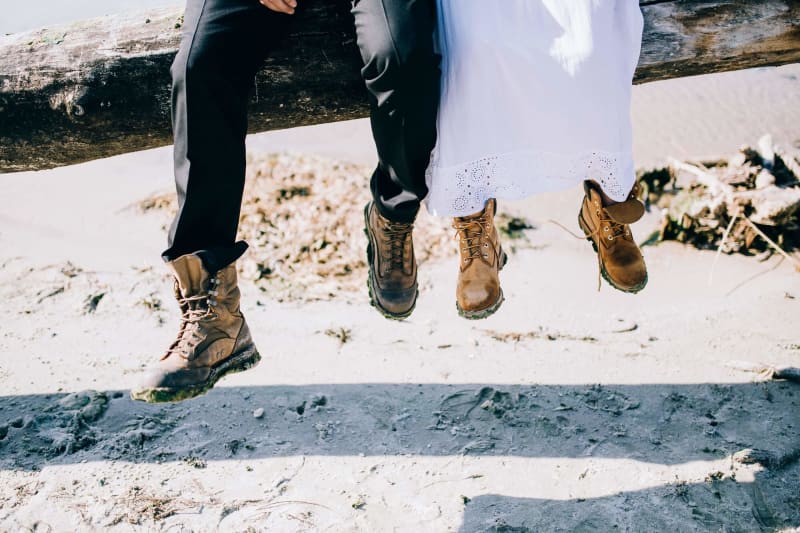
{"points": [[214, 258]]}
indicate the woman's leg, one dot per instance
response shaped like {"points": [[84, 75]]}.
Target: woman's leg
{"points": [[478, 292], [606, 223]]}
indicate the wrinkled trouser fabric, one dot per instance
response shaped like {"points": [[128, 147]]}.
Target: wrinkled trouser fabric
{"points": [[224, 45]]}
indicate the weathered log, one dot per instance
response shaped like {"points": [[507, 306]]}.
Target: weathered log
{"points": [[101, 87]]}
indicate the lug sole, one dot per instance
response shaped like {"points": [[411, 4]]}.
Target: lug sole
{"points": [[237, 363], [479, 314], [603, 271], [373, 300]]}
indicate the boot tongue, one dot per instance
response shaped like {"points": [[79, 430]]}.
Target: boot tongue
{"points": [[489, 208], [192, 276], [626, 212]]}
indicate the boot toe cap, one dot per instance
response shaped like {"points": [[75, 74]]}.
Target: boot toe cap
{"points": [[477, 296], [173, 378], [633, 279], [628, 275], [398, 301]]}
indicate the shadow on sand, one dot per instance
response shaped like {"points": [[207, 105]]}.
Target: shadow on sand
{"points": [[663, 424]]}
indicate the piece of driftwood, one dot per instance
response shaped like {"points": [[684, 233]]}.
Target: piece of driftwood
{"points": [[101, 87], [767, 372], [749, 203]]}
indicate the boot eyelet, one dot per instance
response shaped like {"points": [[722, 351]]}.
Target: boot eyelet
{"points": [[486, 256], [610, 237], [606, 229]]}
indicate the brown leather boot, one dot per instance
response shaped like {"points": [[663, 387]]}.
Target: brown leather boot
{"points": [[213, 339], [619, 258], [478, 292], [392, 279]]}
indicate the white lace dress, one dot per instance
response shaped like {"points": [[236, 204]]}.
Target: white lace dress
{"points": [[535, 97]]}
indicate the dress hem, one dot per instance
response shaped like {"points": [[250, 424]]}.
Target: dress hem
{"points": [[460, 190]]}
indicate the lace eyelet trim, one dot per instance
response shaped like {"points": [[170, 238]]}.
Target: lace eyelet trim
{"points": [[462, 190]]}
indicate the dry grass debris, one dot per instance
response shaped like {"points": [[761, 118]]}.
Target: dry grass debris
{"points": [[303, 218], [749, 203]]}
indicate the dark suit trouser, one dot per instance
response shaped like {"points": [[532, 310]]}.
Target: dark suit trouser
{"points": [[224, 45]]}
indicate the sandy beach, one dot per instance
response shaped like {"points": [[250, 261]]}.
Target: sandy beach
{"points": [[569, 410]]}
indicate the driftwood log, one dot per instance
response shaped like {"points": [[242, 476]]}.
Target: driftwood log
{"points": [[748, 203], [101, 87]]}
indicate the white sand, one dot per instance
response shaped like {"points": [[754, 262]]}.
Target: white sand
{"points": [[611, 411]]}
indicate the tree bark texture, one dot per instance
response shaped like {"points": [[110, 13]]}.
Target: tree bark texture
{"points": [[101, 87]]}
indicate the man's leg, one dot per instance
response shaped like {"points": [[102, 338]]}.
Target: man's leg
{"points": [[401, 72], [607, 226], [224, 45]]}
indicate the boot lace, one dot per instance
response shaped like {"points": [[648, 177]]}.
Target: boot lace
{"points": [[471, 234], [194, 309], [607, 228], [395, 234]]}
